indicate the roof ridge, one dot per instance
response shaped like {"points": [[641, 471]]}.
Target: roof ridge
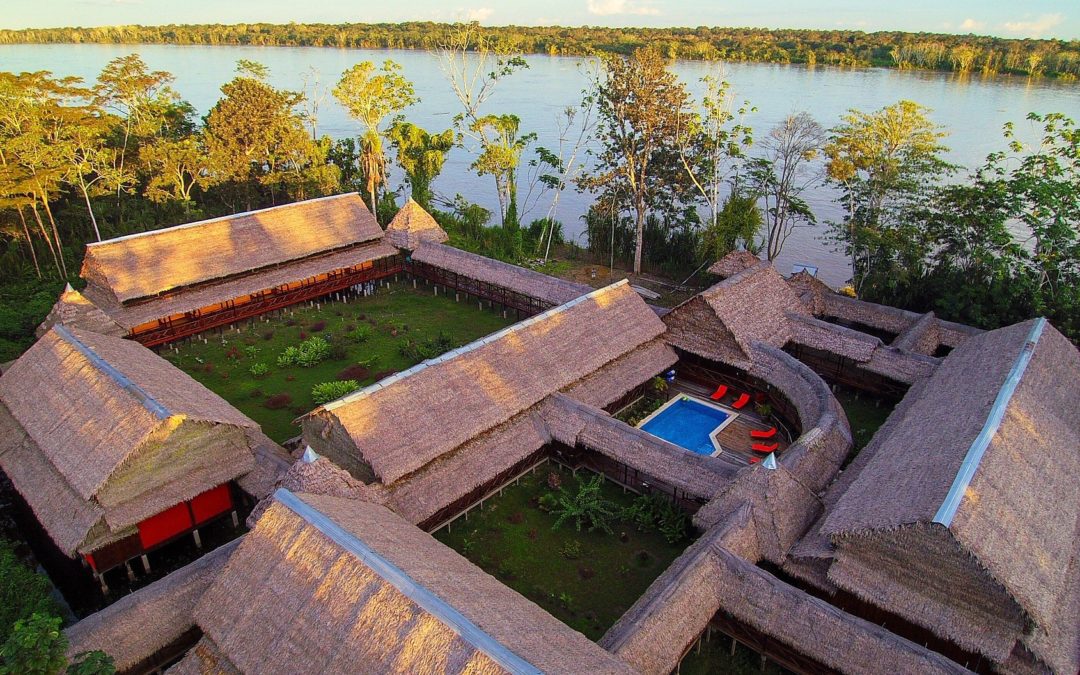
{"points": [[974, 455], [148, 401], [242, 214], [472, 346], [446, 613]]}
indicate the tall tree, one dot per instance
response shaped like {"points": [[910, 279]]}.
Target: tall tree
{"points": [[421, 155], [710, 146], [371, 96], [782, 174], [639, 103], [884, 163], [500, 158]]}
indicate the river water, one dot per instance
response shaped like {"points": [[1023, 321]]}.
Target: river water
{"points": [[972, 109]]}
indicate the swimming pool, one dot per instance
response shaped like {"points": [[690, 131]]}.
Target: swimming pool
{"points": [[689, 423]]}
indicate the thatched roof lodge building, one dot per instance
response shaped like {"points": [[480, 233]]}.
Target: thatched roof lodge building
{"points": [[116, 451], [949, 544]]}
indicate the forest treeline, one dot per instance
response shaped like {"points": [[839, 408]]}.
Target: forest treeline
{"points": [[677, 181], [925, 51]]}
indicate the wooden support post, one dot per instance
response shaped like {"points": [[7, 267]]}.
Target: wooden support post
{"points": [[198, 539], [763, 660], [414, 282], [145, 563], [235, 520], [101, 580], [733, 646], [130, 572]]}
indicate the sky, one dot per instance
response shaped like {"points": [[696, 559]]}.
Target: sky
{"points": [[1004, 18]]}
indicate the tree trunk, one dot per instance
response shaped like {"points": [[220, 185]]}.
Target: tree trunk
{"points": [[90, 209], [45, 234], [29, 242], [374, 204], [639, 237], [56, 233]]}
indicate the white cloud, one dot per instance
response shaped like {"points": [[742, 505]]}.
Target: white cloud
{"points": [[476, 14], [970, 24], [1035, 27], [611, 7]]}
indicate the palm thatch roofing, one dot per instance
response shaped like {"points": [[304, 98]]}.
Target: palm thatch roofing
{"points": [[88, 417], [548, 289], [403, 422], [208, 295], [315, 475], [147, 264], [74, 310], [412, 226], [721, 322], [133, 628], [733, 263], [981, 467], [337, 585]]}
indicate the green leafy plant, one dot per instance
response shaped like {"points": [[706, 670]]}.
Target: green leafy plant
{"points": [[359, 334], [324, 392], [251, 351], [259, 369], [587, 507], [571, 550], [548, 502], [308, 353]]}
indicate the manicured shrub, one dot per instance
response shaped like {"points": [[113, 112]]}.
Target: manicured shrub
{"points": [[324, 392], [318, 327], [307, 354], [251, 351], [358, 335], [259, 369], [268, 335], [277, 402]]}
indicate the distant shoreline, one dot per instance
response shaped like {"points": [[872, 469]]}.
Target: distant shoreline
{"points": [[1057, 59]]}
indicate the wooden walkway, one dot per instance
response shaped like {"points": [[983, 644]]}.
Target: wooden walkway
{"points": [[735, 437]]}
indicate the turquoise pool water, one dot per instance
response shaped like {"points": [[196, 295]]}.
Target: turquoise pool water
{"points": [[687, 423]]}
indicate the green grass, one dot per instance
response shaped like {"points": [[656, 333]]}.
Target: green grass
{"points": [[392, 316], [865, 414], [512, 539]]}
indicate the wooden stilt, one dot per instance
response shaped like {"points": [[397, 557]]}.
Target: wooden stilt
{"points": [[145, 563], [198, 539], [130, 572], [235, 519]]}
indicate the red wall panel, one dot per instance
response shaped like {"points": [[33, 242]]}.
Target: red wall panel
{"points": [[212, 503], [164, 525]]}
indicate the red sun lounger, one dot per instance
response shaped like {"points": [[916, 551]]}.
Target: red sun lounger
{"points": [[720, 392], [755, 460], [761, 447], [741, 402], [758, 433]]}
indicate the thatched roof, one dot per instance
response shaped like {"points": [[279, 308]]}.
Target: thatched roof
{"points": [[208, 295], [74, 310], [423, 494], [94, 413], [143, 265], [548, 289], [733, 263], [672, 613], [983, 461], [324, 584], [133, 628], [412, 226], [625, 373], [403, 422], [315, 475], [722, 321]]}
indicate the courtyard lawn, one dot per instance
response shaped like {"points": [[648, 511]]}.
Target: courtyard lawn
{"points": [[390, 318], [585, 579], [865, 414]]}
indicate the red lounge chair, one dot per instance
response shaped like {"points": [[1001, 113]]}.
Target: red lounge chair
{"points": [[768, 433], [741, 402], [761, 447], [755, 460], [720, 392]]}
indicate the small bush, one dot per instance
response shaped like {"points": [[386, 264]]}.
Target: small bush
{"points": [[256, 393], [383, 374], [251, 351], [586, 572], [644, 559], [208, 367], [290, 322], [277, 402], [571, 550], [548, 502], [416, 350], [358, 335], [303, 335], [268, 335], [233, 353], [324, 392], [307, 354], [533, 534], [516, 518], [318, 327], [259, 369], [353, 372], [290, 378], [554, 480]]}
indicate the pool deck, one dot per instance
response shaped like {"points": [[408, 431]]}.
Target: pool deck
{"points": [[735, 436]]}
